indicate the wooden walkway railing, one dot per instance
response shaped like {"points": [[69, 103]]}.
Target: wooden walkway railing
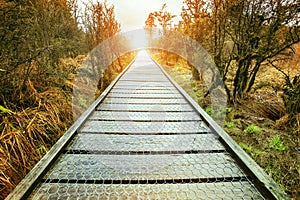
{"points": [[145, 138]]}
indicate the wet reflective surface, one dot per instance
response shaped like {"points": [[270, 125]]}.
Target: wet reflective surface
{"points": [[145, 141]]}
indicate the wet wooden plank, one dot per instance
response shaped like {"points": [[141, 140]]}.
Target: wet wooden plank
{"points": [[144, 101], [143, 84], [145, 107], [133, 127], [205, 166], [143, 91], [130, 80], [144, 116], [146, 96], [201, 191], [144, 78], [146, 143]]}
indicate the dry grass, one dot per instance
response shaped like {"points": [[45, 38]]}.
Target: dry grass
{"points": [[26, 135], [29, 132]]}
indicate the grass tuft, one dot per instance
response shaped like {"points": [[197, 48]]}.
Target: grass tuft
{"points": [[277, 144], [253, 129]]}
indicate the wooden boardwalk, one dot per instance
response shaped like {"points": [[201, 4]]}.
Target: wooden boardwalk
{"points": [[145, 138]]}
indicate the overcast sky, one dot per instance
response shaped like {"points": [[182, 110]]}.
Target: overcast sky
{"points": [[132, 14]]}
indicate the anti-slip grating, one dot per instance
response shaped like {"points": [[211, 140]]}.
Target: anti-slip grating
{"points": [[145, 141]]}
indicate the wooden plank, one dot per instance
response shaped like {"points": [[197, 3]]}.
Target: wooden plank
{"points": [[144, 81], [143, 73], [201, 191], [205, 166], [143, 91], [153, 96], [155, 73], [145, 84], [145, 77], [142, 69], [144, 116], [144, 87], [145, 107], [144, 101], [132, 127], [142, 143]]}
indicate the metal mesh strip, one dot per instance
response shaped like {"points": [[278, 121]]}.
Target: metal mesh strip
{"points": [[142, 91], [144, 101], [165, 96], [145, 107], [132, 127], [205, 167], [227, 190], [104, 142], [145, 116]]}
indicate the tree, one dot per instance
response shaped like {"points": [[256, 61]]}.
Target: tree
{"points": [[196, 25], [34, 36], [150, 21], [164, 19], [99, 23], [195, 19], [149, 25], [259, 30], [218, 41]]}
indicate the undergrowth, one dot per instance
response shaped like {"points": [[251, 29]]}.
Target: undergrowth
{"points": [[27, 132], [259, 123]]}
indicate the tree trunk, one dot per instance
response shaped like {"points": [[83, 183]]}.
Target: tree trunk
{"points": [[253, 76], [241, 79], [195, 74]]}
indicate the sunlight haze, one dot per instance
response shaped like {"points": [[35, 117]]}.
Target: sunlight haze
{"points": [[132, 14]]}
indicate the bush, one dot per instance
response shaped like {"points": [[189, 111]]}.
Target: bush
{"points": [[291, 98]]}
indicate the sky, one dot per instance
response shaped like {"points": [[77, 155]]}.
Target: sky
{"points": [[132, 14]]}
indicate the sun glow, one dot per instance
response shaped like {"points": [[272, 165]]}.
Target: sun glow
{"points": [[138, 39], [132, 14]]}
